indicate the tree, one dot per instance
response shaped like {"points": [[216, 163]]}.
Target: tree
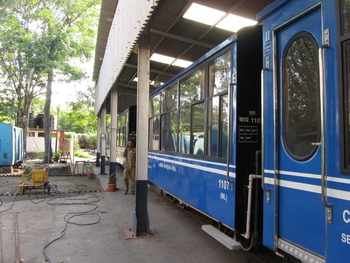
{"points": [[80, 117], [39, 38], [21, 74]]}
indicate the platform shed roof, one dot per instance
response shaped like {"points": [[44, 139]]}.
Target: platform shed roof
{"points": [[172, 35]]}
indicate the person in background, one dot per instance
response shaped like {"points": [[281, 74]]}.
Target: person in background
{"points": [[129, 167]]}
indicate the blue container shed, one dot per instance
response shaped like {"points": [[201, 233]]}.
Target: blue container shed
{"points": [[11, 144]]}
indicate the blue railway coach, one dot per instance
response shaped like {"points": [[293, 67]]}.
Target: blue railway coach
{"points": [[11, 144], [205, 132], [306, 127], [256, 133]]}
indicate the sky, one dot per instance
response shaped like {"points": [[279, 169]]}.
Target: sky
{"points": [[63, 92]]}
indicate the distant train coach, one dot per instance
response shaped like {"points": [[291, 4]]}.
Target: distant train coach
{"points": [[11, 144]]}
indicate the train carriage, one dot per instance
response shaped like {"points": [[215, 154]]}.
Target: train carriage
{"points": [[255, 134], [306, 129], [205, 134]]}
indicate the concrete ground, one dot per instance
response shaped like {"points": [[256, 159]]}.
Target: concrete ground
{"points": [[91, 227], [63, 178]]}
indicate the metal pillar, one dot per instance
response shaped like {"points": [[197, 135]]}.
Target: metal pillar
{"points": [[98, 154], [141, 218], [103, 140], [113, 140]]}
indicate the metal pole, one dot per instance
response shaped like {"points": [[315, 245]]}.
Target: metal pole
{"points": [[103, 140], [98, 143], [141, 219], [113, 140]]}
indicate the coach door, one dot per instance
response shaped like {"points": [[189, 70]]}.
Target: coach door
{"points": [[301, 219]]}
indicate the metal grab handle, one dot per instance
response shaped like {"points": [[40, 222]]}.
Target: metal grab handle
{"points": [[229, 139], [323, 123], [263, 136]]}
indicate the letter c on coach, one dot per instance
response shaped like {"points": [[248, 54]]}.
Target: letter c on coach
{"points": [[346, 216]]}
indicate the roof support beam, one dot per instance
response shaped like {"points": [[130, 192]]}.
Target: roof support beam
{"points": [[183, 39], [152, 70], [122, 87]]}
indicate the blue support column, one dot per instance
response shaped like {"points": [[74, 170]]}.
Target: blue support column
{"points": [[103, 164], [98, 154], [103, 140], [141, 217], [113, 132], [98, 159]]}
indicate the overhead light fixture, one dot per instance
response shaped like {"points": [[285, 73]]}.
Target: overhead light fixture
{"points": [[203, 14], [162, 58], [182, 63], [170, 60], [156, 83], [210, 16], [234, 23]]}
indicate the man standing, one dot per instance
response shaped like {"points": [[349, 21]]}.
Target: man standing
{"points": [[129, 168]]}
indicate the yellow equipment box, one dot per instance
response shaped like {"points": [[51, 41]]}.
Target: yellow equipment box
{"points": [[34, 177]]}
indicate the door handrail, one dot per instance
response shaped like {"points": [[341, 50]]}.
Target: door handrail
{"points": [[323, 131], [229, 139], [263, 132]]}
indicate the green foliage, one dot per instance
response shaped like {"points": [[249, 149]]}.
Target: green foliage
{"points": [[68, 135], [38, 37], [37, 106], [80, 116], [92, 140], [112, 178], [57, 154], [82, 154]]}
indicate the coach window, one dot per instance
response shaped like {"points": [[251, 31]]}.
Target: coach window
{"points": [[213, 126], [170, 99], [191, 129], [224, 124], [123, 131], [155, 106], [126, 125], [154, 123], [168, 139], [185, 130], [345, 15], [345, 44], [192, 88], [191, 118], [198, 125], [219, 81], [219, 74], [301, 110], [169, 132]]}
